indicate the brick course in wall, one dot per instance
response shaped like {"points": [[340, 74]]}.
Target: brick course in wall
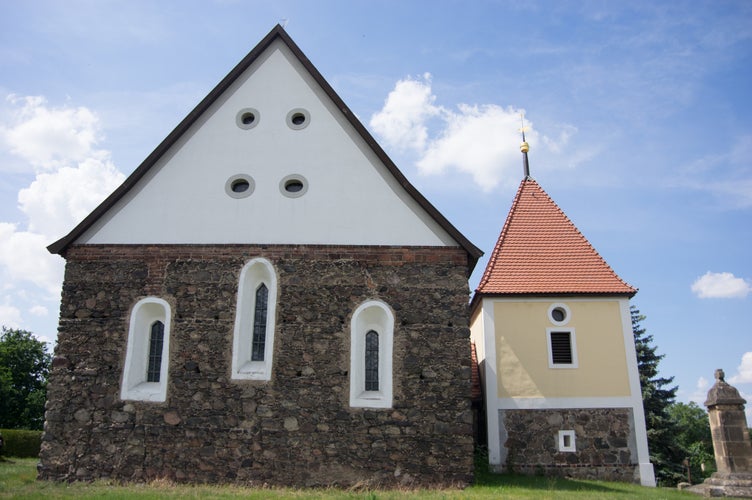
{"points": [[604, 438], [297, 429]]}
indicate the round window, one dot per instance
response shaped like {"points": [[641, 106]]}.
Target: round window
{"points": [[293, 186], [298, 119], [239, 186], [247, 118], [559, 314]]}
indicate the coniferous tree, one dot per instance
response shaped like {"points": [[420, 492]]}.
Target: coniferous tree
{"points": [[657, 396]]}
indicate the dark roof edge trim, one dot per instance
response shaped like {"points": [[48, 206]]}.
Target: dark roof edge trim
{"points": [[59, 246], [479, 296]]}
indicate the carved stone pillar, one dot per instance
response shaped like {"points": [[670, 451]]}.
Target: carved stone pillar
{"points": [[733, 452]]}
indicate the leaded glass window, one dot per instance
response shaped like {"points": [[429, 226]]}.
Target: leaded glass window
{"points": [[259, 323], [156, 341], [372, 361]]}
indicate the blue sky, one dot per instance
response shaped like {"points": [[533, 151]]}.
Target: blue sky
{"points": [[639, 116]]}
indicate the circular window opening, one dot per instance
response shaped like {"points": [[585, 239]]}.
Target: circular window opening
{"points": [[239, 186], [247, 118], [293, 186], [298, 119], [558, 314]]}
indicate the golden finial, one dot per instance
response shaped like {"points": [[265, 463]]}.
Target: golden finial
{"points": [[524, 147]]}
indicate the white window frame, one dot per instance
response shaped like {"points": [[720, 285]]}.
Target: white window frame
{"points": [[254, 272], [377, 316], [563, 307], [572, 345], [134, 384], [563, 447]]}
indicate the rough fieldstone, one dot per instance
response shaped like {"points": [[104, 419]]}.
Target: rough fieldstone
{"points": [[298, 428], [605, 443]]}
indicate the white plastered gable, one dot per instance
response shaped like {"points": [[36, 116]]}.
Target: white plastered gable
{"points": [[350, 196]]}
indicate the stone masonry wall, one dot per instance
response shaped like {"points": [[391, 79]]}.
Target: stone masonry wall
{"points": [[296, 429], [604, 439]]}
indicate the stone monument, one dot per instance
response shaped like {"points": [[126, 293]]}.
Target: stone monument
{"points": [[733, 452]]}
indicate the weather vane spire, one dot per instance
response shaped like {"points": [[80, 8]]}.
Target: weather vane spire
{"points": [[524, 147]]}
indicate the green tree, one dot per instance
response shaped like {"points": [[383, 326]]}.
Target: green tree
{"points": [[693, 436], [24, 366], [657, 396]]}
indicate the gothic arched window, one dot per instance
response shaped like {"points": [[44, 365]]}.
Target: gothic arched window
{"points": [[259, 323], [147, 352], [371, 339], [372, 361], [253, 338], [156, 341]]}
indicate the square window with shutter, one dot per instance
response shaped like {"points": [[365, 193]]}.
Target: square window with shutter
{"points": [[561, 348]]}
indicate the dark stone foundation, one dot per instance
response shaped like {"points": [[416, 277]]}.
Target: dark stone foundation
{"points": [[296, 429], [605, 443]]}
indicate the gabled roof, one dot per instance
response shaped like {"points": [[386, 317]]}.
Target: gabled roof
{"points": [[540, 251], [277, 33]]}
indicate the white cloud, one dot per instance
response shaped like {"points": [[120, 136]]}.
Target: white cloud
{"points": [[10, 316], [48, 137], [72, 177], [720, 286], [56, 201], [479, 140], [743, 371], [39, 311], [700, 394], [24, 258], [402, 120]]}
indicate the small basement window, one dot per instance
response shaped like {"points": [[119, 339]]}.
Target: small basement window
{"points": [[566, 441], [293, 186], [247, 118]]}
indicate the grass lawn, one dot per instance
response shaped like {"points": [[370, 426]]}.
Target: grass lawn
{"points": [[18, 480]]}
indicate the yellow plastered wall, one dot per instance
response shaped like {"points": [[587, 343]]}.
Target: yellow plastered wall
{"points": [[522, 351]]}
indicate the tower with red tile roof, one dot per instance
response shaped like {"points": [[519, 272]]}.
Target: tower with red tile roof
{"points": [[552, 328]]}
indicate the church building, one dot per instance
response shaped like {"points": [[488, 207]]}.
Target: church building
{"points": [[266, 299], [551, 324]]}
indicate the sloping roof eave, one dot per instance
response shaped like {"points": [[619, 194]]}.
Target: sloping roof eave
{"points": [[478, 297]]}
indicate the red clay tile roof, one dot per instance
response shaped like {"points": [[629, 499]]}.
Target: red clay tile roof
{"points": [[540, 251]]}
